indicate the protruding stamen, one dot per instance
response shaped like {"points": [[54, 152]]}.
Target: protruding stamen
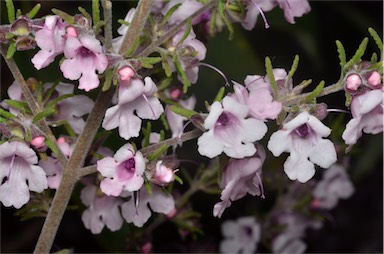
{"points": [[338, 110], [146, 99], [262, 14], [217, 70], [261, 185]]}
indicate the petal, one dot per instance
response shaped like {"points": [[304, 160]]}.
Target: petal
{"points": [[299, 120], [299, 168], [324, 153], [107, 167], [214, 113], [279, 142], [234, 107], [89, 80], [71, 46], [134, 184], [130, 91], [208, 145], [112, 117], [320, 129], [91, 43], [43, 58], [70, 69], [252, 130], [149, 109], [88, 194], [129, 125], [161, 202], [138, 216], [111, 187], [37, 179], [240, 151]]}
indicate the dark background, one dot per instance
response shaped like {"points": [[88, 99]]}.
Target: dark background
{"points": [[359, 220]]}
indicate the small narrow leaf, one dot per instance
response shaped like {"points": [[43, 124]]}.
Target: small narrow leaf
{"points": [[229, 25], [186, 32], [271, 77], [293, 67], [32, 13], [133, 48], [57, 100], [348, 99], [341, 51], [156, 154], [164, 84], [147, 132], [148, 188], [169, 14], [51, 145], [162, 135], [84, 12], [164, 122], [95, 11], [221, 8], [65, 16], [374, 58], [6, 114], [376, 38], [50, 91], [69, 129], [315, 92], [220, 94], [17, 104], [212, 23], [108, 80], [182, 73], [10, 10], [178, 179], [43, 114], [165, 65], [357, 57], [183, 111], [11, 50]]}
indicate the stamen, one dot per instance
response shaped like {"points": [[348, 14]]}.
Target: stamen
{"points": [[338, 111], [261, 185], [10, 166], [218, 71], [146, 99], [262, 14], [137, 202], [182, 130]]}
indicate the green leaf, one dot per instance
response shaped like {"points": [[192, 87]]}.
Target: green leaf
{"points": [[374, 58], [221, 8], [32, 13], [293, 67], [182, 73], [133, 48], [229, 25], [178, 179], [271, 77], [43, 114], [11, 50], [212, 23], [341, 51], [220, 94], [147, 132], [51, 145], [164, 84], [164, 121], [357, 57], [147, 62], [148, 187], [65, 16], [69, 129], [17, 104], [376, 38], [108, 80], [313, 95], [6, 114], [162, 135], [186, 32], [156, 154], [50, 91], [95, 11], [169, 14], [183, 111], [348, 99], [10, 10], [165, 65], [57, 100]]}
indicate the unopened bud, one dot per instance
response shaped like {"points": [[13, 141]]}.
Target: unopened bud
{"points": [[374, 80], [316, 203], [71, 32], [21, 27], [353, 82], [172, 213], [175, 93], [126, 73], [38, 142], [146, 247], [162, 174]]}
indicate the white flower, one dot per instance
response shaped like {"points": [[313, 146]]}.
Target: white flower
{"points": [[302, 137], [229, 131]]}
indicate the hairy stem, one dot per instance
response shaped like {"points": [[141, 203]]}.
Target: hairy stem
{"points": [[107, 7], [33, 105]]}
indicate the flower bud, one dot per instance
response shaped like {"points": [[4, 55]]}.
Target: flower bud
{"points": [[25, 43], [21, 27], [38, 142], [126, 73], [352, 83], [374, 80], [162, 174], [71, 32]]}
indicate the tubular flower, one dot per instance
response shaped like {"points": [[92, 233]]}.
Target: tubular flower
{"points": [[302, 137], [123, 172], [229, 131], [84, 57], [19, 174]]}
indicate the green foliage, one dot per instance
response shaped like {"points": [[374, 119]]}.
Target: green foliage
{"points": [[271, 77], [182, 73], [220, 94], [293, 67], [376, 38], [95, 11], [169, 13], [341, 51], [10, 10], [316, 92], [186, 32], [84, 12], [183, 111], [57, 100], [108, 80], [65, 16], [11, 50], [357, 56], [32, 13], [43, 114], [156, 154]]}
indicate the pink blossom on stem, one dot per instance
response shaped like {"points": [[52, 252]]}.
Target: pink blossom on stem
{"points": [[159, 202], [102, 210], [367, 112], [239, 178], [84, 57], [19, 174], [302, 137], [294, 8], [134, 96], [122, 172], [229, 131], [51, 40]]}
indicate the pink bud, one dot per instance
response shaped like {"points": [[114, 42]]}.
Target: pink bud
{"points": [[353, 82], [316, 203], [126, 73], [146, 248], [172, 213], [162, 175], [374, 80], [71, 31], [38, 142], [175, 93], [60, 140]]}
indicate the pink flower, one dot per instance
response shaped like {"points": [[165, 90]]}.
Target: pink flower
{"points": [[122, 30], [19, 174], [51, 39], [84, 57], [123, 172], [176, 121], [187, 8], [102, 211], [367, 112], [229, 131], [253, 10], [334, 185], [302, 137], [133, 96], [159, 202], [239, 178], [241, 236], [294, 8]]}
